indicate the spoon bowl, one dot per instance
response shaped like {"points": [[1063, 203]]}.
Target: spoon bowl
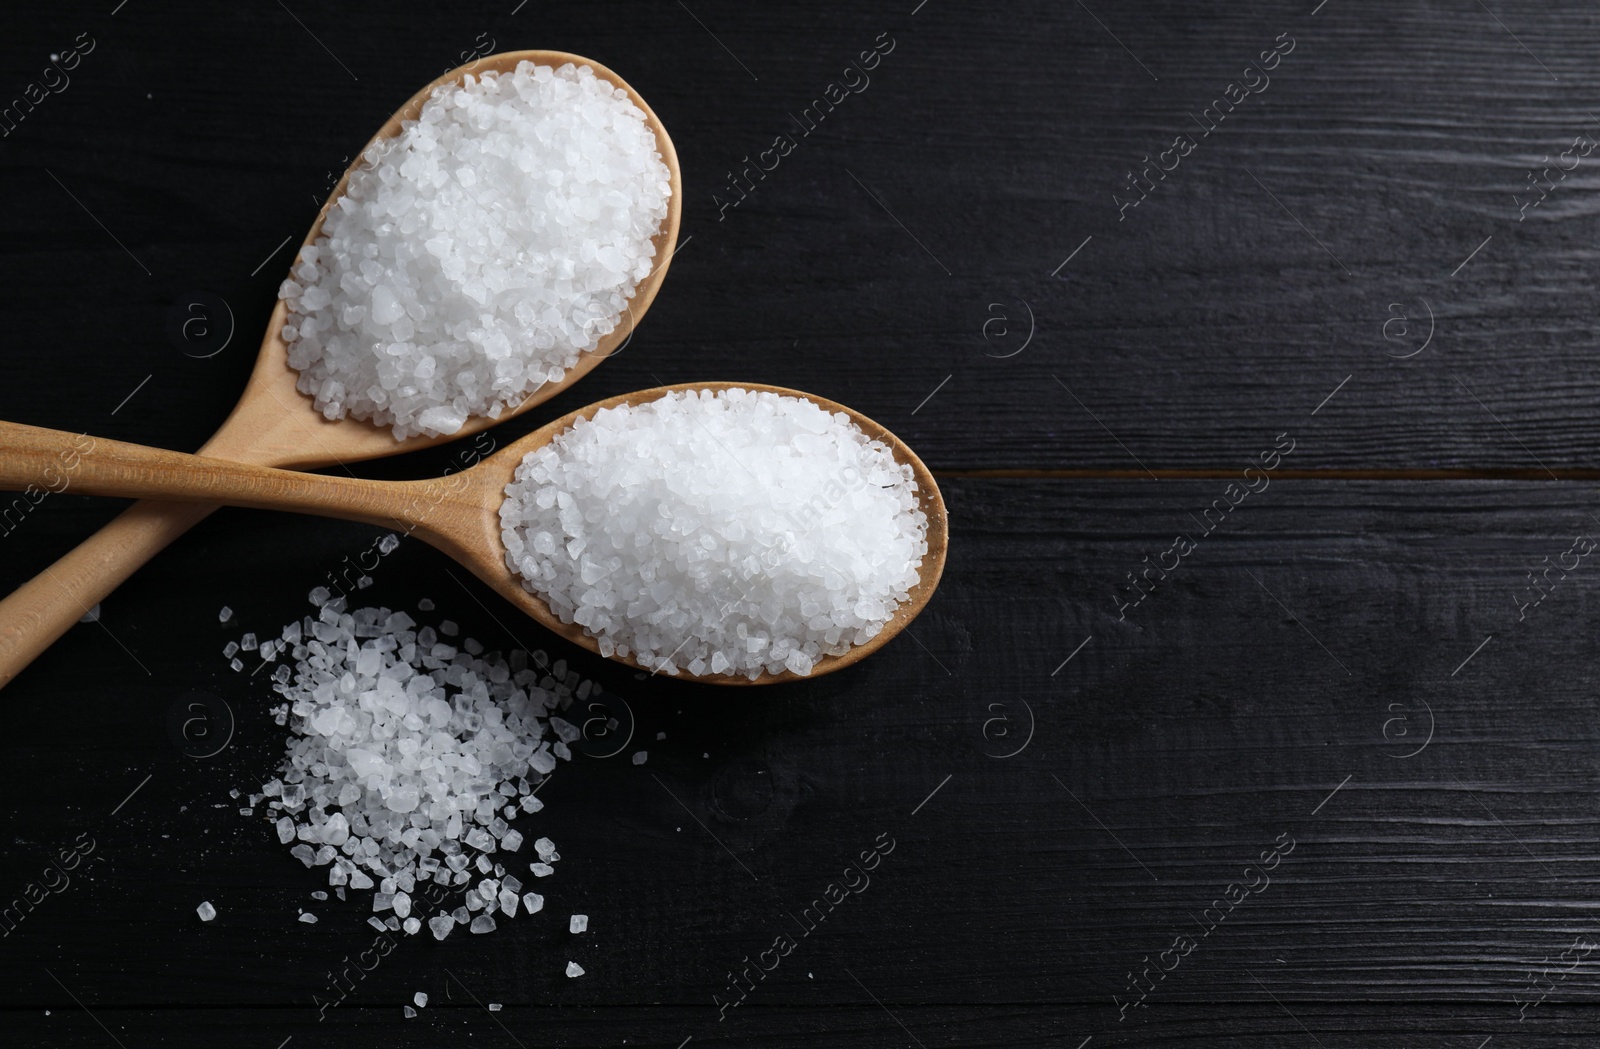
{"points": [[459, 514], [274, 424]]}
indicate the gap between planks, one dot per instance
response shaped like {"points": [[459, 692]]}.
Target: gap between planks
{"points": [[1509, 473]]}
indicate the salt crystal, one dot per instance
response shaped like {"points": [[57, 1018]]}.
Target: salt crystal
{"points": [[361, 789], [409, 1012], [574, 969], [635, 525], [236, 665], [640, 757], [494, 1007], [412, 925], [578, 923], [421, 998], [545, 848], [319, 894], [206, 911], [425, 605], [441, 926], [230, 650], [483, 923], [476, 256], [224, 615], [542, 870], [309, 919], [532, 902], [248, 643]]}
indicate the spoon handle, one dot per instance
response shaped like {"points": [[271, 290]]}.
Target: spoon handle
{"points": [[36, 459], [39, 611]]}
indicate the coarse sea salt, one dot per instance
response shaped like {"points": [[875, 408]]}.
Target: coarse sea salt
{"points": [[405, 753], [474, 257], [723, 532]]}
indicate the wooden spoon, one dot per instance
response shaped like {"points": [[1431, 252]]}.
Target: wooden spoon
{"points": [[459, 514], [274, 424]]}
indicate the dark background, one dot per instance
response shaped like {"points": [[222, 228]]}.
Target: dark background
{"points": [[907, 259]]}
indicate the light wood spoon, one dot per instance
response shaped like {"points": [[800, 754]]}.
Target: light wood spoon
{"points": [[459, 514], [274, 424]]}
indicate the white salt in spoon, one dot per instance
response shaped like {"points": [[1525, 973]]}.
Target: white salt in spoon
{"points": [[274, 424], [459, 514]]}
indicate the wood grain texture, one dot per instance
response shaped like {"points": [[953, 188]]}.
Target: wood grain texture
{"points": [[1396, 135], [1168, 754], [1424, 898]]}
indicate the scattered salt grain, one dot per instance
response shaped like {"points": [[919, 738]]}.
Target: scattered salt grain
{"points": [[542, 870], [236, 665], [249, 643], [441, 926], [309, 919], [319, 895], [574, 969], [723, 532], [494, 1007], [224, 615], [578, 923], [425, 605], [401, 757], [532, 902], [473, 258], [640, 757], [421, 998], [410, 1013], [206, 911]]}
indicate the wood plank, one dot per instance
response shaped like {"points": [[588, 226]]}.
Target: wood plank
{"points": [[1169, 752], [1394, 136], [1262, 1025]]}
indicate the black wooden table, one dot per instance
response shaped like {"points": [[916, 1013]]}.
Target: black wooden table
{"points": [[1293, 301]]}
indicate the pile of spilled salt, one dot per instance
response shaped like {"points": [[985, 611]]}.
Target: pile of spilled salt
{"points": [[409, 760], [471, 259], [732, 532]]}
